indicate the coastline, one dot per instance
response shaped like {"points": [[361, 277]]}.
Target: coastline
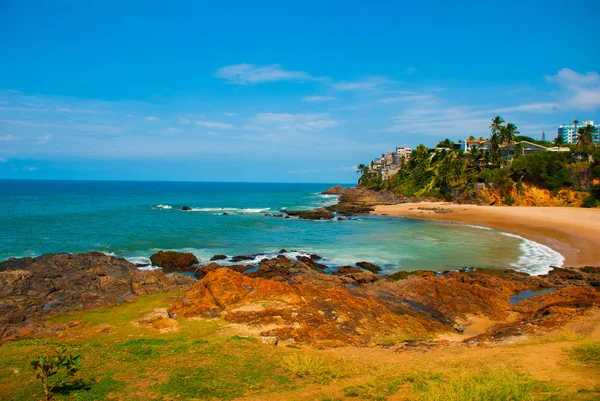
{"points": [[572, 232]]}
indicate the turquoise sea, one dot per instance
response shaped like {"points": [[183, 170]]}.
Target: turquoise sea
{"points": [[136, 219]]}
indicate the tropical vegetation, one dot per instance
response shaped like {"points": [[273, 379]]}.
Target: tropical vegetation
{"points": [[447, 169]]}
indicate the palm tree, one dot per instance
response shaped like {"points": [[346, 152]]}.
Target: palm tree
{"points": [[362, 169], [575, 122], [508, 134], [586, 135], [496, 124], [559, 141]]}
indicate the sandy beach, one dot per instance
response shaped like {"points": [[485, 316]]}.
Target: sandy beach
{"points": [[573, 232]]}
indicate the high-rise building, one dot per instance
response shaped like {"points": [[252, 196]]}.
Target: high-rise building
{"points": [[569, 135]]}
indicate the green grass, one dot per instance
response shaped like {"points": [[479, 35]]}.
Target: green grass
{"points": [[315, 368], [496, 384], [588, 353]]}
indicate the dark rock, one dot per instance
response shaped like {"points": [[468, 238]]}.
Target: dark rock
{"points": [[186, 208], [283, 269], [310, 262], [32, 288], [175, 261], [314, 214], [369, 266], [314, 256], [218, 257], [240, 258], [335, 190], [283, 251]]}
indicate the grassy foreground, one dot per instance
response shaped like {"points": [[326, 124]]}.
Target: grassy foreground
{"points": [[203, 360]]}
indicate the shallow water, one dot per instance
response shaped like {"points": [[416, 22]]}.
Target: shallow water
{"points": [[136, 219]]}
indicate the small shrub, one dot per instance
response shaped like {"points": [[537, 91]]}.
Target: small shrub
{"points": [[47, 367], [588, 353]]}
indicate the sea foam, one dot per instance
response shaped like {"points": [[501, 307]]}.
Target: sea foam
{"points": [[229, 209], [164, 207], [536, 258]]}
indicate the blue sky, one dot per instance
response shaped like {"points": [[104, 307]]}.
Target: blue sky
{"points": [[278, 91]]}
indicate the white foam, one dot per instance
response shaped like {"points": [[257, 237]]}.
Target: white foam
{"points": [[536, 258], [480, 227], [141, 260], [164, 207], [330, 200], [229, 209]]}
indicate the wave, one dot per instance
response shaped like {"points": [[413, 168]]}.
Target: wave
{"points": [[229, 209], [536, 258], [164, 207]]}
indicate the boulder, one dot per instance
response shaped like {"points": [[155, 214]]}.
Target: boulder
{"points": [[240, 258], [369, 266], [175, 261], [218, 257], [186, 208], [283, 269]]}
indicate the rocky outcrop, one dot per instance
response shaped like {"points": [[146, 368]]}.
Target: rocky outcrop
{"points": [[175, 261], [314, 214], [204, 270], [32, 288], [330, 317], [353, 201], [293, 300]]}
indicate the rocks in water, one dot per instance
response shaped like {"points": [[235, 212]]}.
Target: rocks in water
{"points": [[32, 288], [314, 256], [283, 251], [218, 257], [283, 269], [311, 262], [240, 258], [369, 266], [335, 190], [401, 275], [314, 214], [186, 208], [175, 261]]}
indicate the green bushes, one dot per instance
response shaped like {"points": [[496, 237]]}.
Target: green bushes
{"points": [[542, 169]]}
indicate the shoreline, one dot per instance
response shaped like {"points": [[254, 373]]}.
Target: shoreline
{"points": [[572, 232]]}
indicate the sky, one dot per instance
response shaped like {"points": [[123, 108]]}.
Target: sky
{"points": [[278, 91]]}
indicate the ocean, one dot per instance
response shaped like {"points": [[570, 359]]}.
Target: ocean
{"points": [[135, 219]]}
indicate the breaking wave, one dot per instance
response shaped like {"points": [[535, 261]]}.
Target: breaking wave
{"points": [[229, 209], [164, 207], [536, 258]]}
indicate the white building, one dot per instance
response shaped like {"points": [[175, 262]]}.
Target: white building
{"points": [[568, 133]]}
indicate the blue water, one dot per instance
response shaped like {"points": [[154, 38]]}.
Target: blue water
{"points": [[136, 219]]}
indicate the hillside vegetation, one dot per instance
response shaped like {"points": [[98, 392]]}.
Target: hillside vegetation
{"points": [[488, 176]]}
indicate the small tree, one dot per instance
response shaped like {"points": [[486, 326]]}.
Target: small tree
{"points": [[49, 366]]}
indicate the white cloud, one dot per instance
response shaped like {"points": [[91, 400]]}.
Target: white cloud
{"points": [[214, 124], [302, 122], [407, 98], [7, 137], [184, 120], [152, 118], [129, 115], [318, 98], [230, 114], [3, 159], [577, 91], [42, 140], [367, 84], [173, 130], [411, 70], [213, 133], [243, 74]]}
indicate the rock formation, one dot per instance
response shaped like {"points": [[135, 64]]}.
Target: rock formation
{"points": [[175, 261], [32, 288]]}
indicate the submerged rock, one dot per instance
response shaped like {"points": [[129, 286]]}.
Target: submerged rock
{"points": [[218, 257], [174, 261], [314, 214], [186, 208]]}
